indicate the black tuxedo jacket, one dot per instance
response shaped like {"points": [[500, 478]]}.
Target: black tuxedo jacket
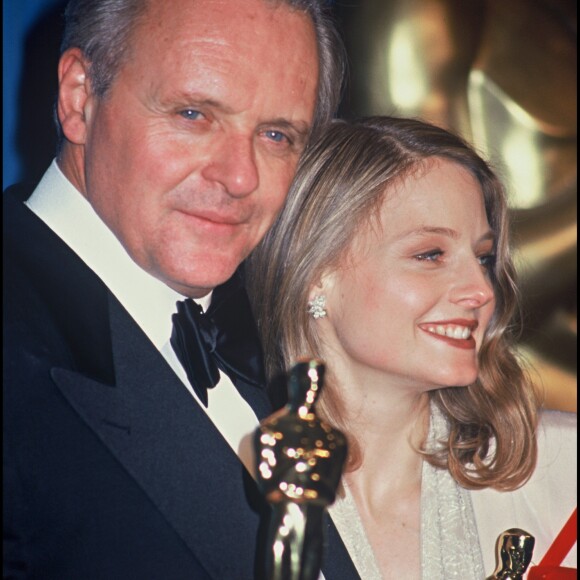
{"points": [[111, 469]]}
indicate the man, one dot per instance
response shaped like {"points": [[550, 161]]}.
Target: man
{"points": [[181, 122]]}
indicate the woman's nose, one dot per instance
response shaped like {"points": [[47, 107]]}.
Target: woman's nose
{"points": [[473, 288]]}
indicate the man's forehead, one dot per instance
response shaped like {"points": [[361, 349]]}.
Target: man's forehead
{"points": [[208, 7]]}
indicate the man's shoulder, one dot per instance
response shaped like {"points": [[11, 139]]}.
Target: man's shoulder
{"points": [[22, 230], [34, 254], [14, 212], [18, 192], [52, 302], [22, 264]]}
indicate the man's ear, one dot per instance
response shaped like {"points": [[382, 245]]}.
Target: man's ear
{"points": [[74, 95]]}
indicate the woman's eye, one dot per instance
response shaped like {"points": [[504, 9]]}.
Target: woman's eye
{"points": [[431, 256], [191, 114], [487, 261]]}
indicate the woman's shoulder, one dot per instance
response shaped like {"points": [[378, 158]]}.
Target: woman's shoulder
{"points": [[560, 421], [557, 443], [543, 504]]}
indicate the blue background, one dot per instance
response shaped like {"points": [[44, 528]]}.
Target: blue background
{"points": [[31, 35]]}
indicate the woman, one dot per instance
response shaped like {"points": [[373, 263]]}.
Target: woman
{"points": [[391, 262]]}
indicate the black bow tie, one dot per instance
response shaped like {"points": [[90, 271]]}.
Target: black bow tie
{"points": [[225, 337]]}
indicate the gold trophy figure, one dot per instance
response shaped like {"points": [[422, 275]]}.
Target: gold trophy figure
{"points": [[514, 554], [300, 460]]}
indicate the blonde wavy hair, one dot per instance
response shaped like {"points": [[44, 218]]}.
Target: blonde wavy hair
{"points": [[342, 180]]}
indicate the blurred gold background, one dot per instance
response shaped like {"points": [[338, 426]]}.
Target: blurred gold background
{"points": [[502, 74]]}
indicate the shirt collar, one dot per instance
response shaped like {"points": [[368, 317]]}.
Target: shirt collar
{"points": [[68, 213]]}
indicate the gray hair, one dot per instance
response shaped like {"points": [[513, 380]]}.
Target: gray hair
{"points": [[102, 29]]}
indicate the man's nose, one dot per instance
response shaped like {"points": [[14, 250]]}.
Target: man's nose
{"points": [[233, 165]]}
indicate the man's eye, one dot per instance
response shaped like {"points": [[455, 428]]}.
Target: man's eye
{"points": [[431, 256], [191, 114], [277, 136]]}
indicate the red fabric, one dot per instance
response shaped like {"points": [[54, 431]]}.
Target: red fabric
{"points": [[552, 573], [562, 544], [549, 568]]}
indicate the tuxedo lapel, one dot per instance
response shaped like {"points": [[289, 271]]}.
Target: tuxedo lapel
{"points": [[336, 563], [171, 448]]}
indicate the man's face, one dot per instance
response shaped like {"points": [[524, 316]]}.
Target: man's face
{"points": [[190, 155]]}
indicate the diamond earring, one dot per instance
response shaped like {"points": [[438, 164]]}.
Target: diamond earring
{"points": [[316, 307]]}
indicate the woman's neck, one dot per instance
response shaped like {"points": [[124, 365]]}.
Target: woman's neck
{"points": [[390, 426], [387, 415], [389, 432]]}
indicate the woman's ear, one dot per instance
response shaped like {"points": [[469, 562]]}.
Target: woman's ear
{"points": [[317, 296], [74, 95], [322, 285]]}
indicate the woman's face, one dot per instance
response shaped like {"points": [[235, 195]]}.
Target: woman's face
{"points": [[414, 298]]}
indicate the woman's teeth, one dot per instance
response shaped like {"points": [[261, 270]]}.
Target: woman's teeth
{"points": [[451, 331]]}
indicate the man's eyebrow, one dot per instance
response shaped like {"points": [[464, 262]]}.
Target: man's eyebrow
{"points": [[192, 99]]}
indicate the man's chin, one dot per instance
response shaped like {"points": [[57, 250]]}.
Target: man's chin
{"points": [[201, 283]]}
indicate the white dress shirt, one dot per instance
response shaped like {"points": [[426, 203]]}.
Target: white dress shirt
{"points": [[147, 299]]}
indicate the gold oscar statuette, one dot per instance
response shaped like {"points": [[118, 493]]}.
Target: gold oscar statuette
{"points": [[299, 466], [514, 554]]}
